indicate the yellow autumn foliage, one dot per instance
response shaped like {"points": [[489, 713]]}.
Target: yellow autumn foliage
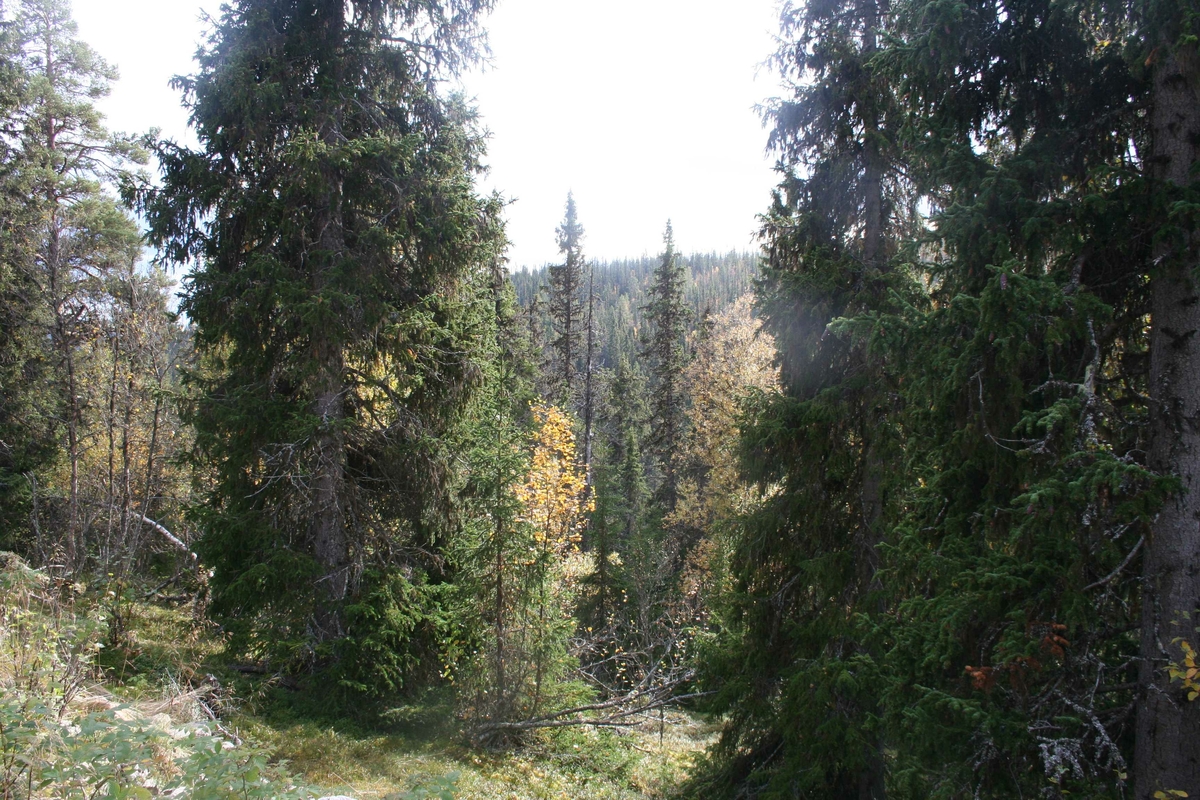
{"points": [[554, 496], [737, 357]]}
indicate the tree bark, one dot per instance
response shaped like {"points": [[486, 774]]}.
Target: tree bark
{"points": [[1167, 750], [330, 543], [871, 781]]}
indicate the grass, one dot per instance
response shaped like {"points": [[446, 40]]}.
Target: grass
{"points": [[395, 749], [575, 762]]}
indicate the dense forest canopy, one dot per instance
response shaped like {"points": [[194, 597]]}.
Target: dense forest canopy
{"points": [[905, 502]]}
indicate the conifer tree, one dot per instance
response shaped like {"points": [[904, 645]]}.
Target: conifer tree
{"points": [[566, 307], [340, 293], [492, 556], [26, 437], [668, 317], [627, 431], [1168, 730], [812, 548], [68, 234], [1029, 461], [999, 352]]}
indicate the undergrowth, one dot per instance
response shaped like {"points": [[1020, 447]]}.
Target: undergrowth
{"points": [[63, 736], [108, 695]]}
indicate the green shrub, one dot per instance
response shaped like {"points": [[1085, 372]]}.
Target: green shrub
{"points": [[53, 745]]}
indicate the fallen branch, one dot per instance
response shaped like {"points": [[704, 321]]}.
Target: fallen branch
{"points": [[622, 716], [175, 541], [170, 537]]}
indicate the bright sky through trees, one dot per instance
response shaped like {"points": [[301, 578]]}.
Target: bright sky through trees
{"points": [[642, 108]]}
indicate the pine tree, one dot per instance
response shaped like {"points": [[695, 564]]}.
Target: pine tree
{"points": [[566, 308], [340, 294], [26, 415], [669, 318], [69, 235]]}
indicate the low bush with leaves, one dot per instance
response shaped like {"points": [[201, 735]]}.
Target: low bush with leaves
{"points": [[60, 740]]}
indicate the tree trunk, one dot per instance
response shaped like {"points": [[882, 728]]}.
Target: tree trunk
{"points": [[111, 429], [330, 544], [1167, 752], [501, 683], [871, 782]]}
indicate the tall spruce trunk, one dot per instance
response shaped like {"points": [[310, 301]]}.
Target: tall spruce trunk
{"points": [[329, 539], [871, 781], [1167, 752]]}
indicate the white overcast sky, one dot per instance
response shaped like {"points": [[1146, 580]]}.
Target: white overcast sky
{"points": [[642, 108]]}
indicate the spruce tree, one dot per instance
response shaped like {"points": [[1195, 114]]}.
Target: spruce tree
{"points": [[668, 317], [26, 429], [1025, 403], [1168, 729], [491, 554], [806, 563], [626, 430], [566, 307], [339, 294], [981, 644]]}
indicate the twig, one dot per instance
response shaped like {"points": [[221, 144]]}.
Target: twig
{"points": [[1121, 566]]}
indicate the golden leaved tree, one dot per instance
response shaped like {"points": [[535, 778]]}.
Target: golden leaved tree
{"points": [[734, 359], [554, 496], [555, 502]]}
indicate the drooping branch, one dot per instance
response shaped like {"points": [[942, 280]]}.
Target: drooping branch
{"points": [[175, 541]]}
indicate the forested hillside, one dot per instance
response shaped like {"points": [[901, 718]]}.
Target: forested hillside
{"points": [[902, 505], [620, 289]]}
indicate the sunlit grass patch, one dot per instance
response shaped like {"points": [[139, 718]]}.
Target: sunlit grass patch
{"points": [[569, 763]]}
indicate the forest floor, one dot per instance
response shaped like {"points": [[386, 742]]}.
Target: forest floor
{"points": [[394, 749]]}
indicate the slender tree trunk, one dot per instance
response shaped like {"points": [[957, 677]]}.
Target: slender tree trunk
{"points": [[501, 687], [111, 425], [128, 543], [1167, 753], [75, 546], [151, 449]]}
